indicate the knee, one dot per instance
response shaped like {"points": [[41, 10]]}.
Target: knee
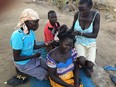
{"points": [[89, 64], [81, 60]]}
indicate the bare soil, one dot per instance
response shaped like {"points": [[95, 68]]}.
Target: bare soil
{"points": [[106, 42]]}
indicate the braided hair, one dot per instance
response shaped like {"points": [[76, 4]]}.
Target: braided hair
{"points": [[66, 34], [62, 29]]}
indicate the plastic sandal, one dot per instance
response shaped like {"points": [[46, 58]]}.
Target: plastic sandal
{"points": [[110, 68], [113, 78]]}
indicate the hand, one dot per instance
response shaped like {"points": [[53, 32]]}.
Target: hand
{"points": [[75, 33], [49, 42], [37, 55], [77, 86]]}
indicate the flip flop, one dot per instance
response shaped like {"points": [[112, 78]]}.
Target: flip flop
{"points": [[113, 78], [109, 68]]}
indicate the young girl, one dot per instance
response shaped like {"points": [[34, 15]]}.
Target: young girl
{"points": [[51, 28]]}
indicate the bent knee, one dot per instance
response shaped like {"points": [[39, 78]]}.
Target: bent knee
{"points": [[89, 64], [81, 60]]}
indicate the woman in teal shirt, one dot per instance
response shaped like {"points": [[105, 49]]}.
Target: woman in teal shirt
{"points": [[23, 43]]}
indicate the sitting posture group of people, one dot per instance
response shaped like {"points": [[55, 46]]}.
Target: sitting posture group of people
{"points": [[68, 49]]}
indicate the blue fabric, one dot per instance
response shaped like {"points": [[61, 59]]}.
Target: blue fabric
{"points": [[110, 68], [42, 50], [81, 39], [66, 64], [23, 42], [37, 83], [33, 81], [62, 67], [86, 81]]}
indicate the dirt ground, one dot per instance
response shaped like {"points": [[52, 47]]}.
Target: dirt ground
{"points": [[106, 42]]}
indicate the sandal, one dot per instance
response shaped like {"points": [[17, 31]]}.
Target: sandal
{"points": [[109, 68], [17, 80], [113, 78]]}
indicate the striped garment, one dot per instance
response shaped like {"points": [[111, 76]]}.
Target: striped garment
{"points": [[63, 68]]}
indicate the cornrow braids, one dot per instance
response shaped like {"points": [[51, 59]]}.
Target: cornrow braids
{"points": [[68, 34], [63, 28]]}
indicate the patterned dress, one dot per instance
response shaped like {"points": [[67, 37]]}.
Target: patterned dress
{"points": [[64, 70]]}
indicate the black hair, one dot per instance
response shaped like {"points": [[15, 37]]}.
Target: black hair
{"points": [[62, 29], [88, 2], [66, 34], [67, 2], [51, 12]]}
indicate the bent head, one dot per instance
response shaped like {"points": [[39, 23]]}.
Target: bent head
{"points": [[66, 44], [32, 24], [28, 19], [66, 41], [85, 5], [52, 16]]}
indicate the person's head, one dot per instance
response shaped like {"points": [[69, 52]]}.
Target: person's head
{"points": [[52, 16], [66, 41], [85, 5], [28, 20], [62, 29], [32, 24]]}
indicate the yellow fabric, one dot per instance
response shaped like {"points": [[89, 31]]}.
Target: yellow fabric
{"points": [[65, 77], [81, 85]]}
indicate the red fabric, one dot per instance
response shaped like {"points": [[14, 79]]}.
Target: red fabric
{"points": [[48, 36]]}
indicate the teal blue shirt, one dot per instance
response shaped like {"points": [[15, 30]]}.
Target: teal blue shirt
{"points": [[23, 42], [81, 39]]}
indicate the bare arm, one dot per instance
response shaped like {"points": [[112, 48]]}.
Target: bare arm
{"points": [[17, 57], [55, 78], [42, 45], [38, 46], [76, 74], [75, 18], [96, 26]]}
